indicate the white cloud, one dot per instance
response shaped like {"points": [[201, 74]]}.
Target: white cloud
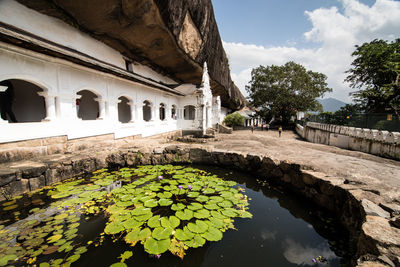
{"points": [[302, 255], [335, 33]]}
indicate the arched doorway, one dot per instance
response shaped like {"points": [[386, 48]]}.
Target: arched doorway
{"points": [[86, 106], [124, 110], [147, 110], [162, 112], [189, 112], [20, 101]]}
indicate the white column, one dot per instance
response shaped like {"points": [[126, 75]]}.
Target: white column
{"points": [[153, 113], [139, 113], [50, 103], [133, 111], [102, 108]]}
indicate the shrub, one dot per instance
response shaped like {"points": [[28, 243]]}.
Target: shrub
{"points": [[234, 119]]}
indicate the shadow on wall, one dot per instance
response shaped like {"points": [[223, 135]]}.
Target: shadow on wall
{"points": [[21, 102], [124, 110], [87, 107]]}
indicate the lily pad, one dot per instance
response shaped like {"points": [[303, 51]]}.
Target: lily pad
{"points": [[212, 234], [201, 214], [178, 206], [132, 223], [113, 228], [161, 233], [199, 227], [171, 222], [151, 203], [195, 206], [184, 215], [165, 202], [195, 242], [156, 247], [154, 221], [183, 234]]}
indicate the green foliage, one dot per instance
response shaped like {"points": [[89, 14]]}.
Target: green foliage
{"points": [[375, 72], [234, 119], [280, 91], [163, 207]]}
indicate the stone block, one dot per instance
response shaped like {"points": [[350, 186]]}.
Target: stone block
{"points": [[56, 149], [16, 188], [130, 158], [158, 159], [373, 209], [7, 176], [308, 178], [52, 176], [32, 169], [199, 155], [54, 140], [37, 182], [171, 149], [116, 159], [158, 150], [379, 229]]}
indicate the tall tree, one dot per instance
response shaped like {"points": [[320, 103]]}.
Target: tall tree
{"points": [[283, 90], [375, 72]]}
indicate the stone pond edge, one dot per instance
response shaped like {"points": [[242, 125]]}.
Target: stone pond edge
{"points": [[376, 224]]}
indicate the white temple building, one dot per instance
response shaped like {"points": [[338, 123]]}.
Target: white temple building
{"points": [[89, 88]]}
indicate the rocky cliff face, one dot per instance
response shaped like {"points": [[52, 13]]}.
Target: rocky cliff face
{"points": [[174, 37]]}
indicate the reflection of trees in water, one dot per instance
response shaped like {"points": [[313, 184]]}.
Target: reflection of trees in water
{"points": [[341, 242]]}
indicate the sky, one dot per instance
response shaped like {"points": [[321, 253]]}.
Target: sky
{"points": [[319, 34]]}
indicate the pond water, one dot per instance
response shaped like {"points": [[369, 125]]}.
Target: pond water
{"points": [[93, 221]]}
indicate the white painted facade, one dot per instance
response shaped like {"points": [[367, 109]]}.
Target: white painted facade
{"points": [[68, 89]]}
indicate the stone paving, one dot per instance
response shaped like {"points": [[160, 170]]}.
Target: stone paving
{"points": [[364, 190]]}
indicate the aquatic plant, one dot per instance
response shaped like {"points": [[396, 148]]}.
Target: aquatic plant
{"points": [[163, 207]]}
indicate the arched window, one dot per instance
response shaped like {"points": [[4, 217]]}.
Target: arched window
{"points": [[189, 112], [162, 112], [124, 110], [20, 101], [146, 110], [173, 112], [86, 106]]}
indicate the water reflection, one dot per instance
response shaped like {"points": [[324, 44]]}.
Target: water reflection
{"points": [[265, 234], [296, 253]]}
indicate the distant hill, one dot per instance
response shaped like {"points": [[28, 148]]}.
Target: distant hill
{"points": [[331, 104]]}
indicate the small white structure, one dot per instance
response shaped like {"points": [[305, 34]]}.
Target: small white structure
{"points": [[89, 88]]}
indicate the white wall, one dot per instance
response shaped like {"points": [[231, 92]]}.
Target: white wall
{"points": [[381, 143], [61, 81]]}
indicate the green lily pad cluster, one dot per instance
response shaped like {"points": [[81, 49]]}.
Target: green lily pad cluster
{"points": [[172, 208], [164, 207]]}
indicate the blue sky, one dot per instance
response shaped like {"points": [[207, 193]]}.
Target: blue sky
{"points": [[320, 34]]}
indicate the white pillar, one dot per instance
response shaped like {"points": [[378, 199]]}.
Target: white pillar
{"points": [[133, 111], [102, 108], [50, 103]]}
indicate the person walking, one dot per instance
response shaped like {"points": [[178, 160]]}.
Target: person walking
{"points": [[6, 101], [280, 131], [252, 128]]}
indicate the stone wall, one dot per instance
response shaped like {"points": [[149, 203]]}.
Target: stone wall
{"points": [[30, 149], [380, 143], [375, 223]]}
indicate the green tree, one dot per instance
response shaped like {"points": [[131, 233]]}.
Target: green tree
{"points": [[283, 90], [234, 119], [375, 72]]}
